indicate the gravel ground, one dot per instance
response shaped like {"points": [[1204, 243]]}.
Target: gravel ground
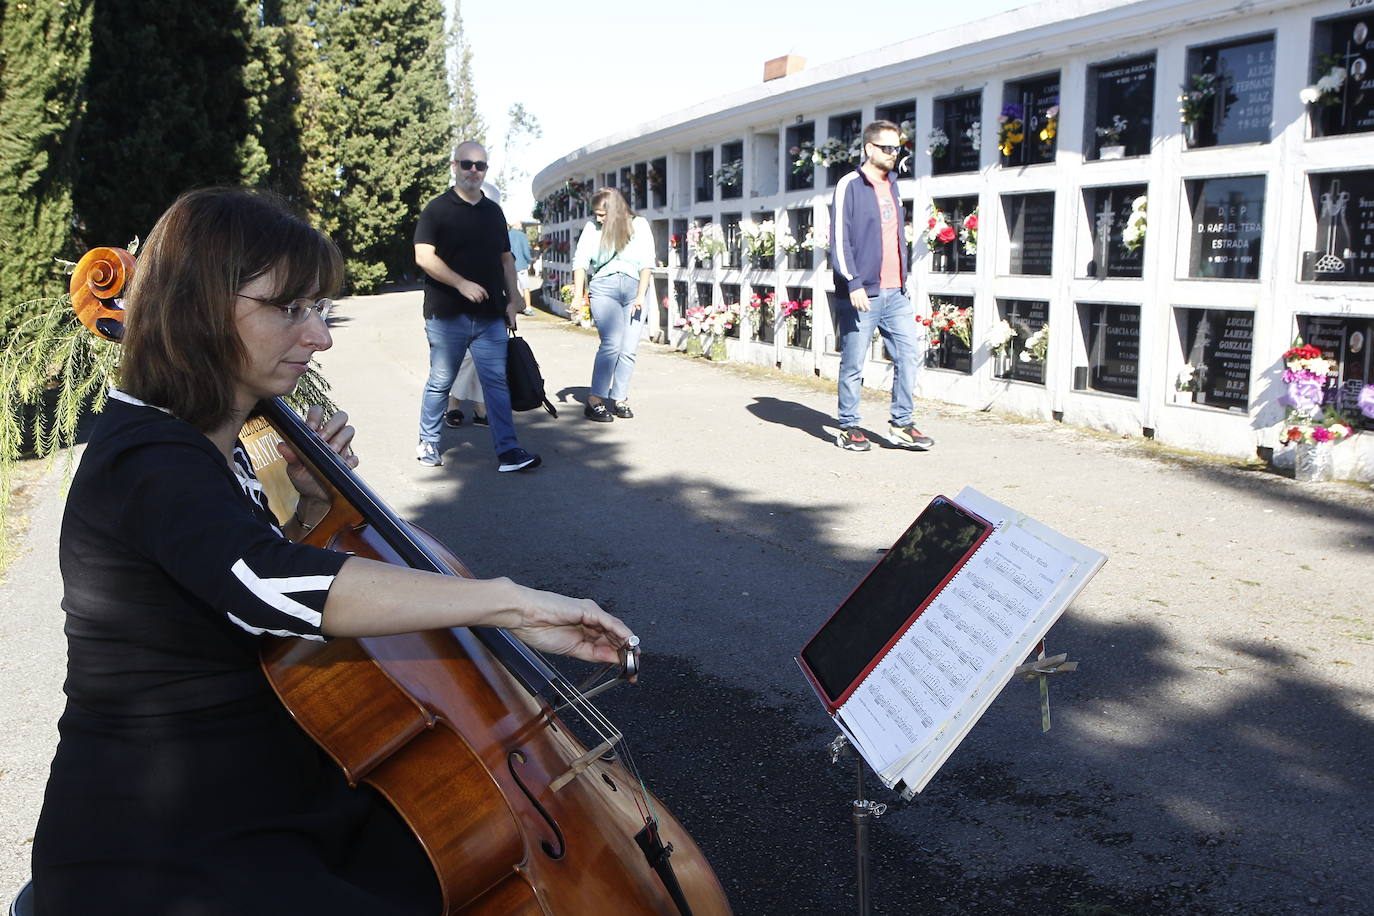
{"points": [[1211, 755]]}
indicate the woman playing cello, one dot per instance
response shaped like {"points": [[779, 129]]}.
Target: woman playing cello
{"points": [[180, 784]]}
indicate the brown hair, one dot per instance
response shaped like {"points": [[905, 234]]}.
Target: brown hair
{"points": [[876, 127], [617, 227], [181, 348]]}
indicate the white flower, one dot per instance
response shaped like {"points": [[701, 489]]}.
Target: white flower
{"points": [[1310, 95]]}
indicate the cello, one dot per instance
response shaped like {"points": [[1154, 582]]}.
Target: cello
{"points": [[520, 792]]}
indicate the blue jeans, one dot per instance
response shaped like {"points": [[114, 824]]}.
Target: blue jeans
{"points": [[891, 313], [449, 339], [620, 329]]}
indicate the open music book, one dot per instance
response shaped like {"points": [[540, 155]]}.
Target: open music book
{"points": [[941, 669]]}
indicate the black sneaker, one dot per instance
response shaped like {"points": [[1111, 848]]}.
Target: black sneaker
{"points": [[853, 439], [480, 419], [622, 410], [517, 459], [909, 437], [598, 412], [453, 418]]}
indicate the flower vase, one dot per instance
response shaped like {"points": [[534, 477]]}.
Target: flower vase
{"points": [[718, 352], [694, 345], [1001, 364], [1190, 133], [1312, 462]]}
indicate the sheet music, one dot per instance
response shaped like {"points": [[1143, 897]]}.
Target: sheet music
{"points": [[965, 635]]}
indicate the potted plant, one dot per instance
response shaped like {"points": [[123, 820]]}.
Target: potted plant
{"points": [[1196, 102], [1000, 340], [729, 174], [1109, 138], [761, 317], [706, 242]]}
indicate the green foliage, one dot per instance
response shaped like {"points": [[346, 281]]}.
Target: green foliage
{"points": [[45, 49], [392, 139], [167, 110], [523, 126]]}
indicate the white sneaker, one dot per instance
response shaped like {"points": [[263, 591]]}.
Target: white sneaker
{"points": [[428, 455]]}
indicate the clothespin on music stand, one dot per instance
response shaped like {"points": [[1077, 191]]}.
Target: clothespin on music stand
{"points": [[1042, 669]]}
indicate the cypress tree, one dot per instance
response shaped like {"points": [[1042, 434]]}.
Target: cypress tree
{"points": [[44, 51], [167, 110], [385, 59], [468, 123]]}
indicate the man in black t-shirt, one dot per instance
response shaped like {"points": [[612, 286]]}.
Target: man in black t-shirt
{"points": [[471, 296]]}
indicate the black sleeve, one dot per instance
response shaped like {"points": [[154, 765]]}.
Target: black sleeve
{"points": [[190, 518]]}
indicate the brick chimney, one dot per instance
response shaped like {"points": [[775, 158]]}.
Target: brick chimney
{"points": [[779, 67]]}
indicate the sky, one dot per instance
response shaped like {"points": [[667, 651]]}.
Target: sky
{"points": [[589, 70]]}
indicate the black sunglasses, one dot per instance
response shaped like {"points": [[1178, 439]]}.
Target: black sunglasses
{"points": [[890, 150], [478, 164]]}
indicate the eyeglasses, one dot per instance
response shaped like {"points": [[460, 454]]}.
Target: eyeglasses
{"points": [[297, 310], [478, 164], [890, 150]]}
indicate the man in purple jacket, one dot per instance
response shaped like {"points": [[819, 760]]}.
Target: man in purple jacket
{"points": [[868, 252]]}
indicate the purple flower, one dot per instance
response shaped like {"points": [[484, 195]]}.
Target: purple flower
{"points": [[1303, 394], [1011, 112], [1366, 401]]}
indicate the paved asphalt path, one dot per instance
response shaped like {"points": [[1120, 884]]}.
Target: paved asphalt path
{"points": [[1211, 755]]}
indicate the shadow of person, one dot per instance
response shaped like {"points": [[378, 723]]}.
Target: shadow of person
{"points": [[572, 394], [798, 416]]}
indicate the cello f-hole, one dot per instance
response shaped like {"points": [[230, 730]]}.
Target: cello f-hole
{"points": [[553, 852]]}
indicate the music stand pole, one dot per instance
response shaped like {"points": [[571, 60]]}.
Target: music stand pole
{"points": [[863, 811]]}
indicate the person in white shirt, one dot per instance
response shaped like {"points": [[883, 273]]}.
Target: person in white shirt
{"points": [[613, 262]]}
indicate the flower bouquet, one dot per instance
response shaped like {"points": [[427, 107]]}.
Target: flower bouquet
{"points": [[1186, 380], [760, 314], [968, 233], [729, 173], [706, 241], [1306, 419], [1010, 129], [794, 313], [1133, 235], [938, 230], [1037, 346], [801, 157], [946, 319], [1051, 128], [938, 143], [1001, 337], [974, 134], [1111, 134], [760, 241], [1326, 90]]}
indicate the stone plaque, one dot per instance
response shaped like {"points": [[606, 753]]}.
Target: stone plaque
{"points": [[1345, 228], [1219, 346], [1243, 106], [956, 115], [1031, 221], [1114, 348], [1228, 223]]}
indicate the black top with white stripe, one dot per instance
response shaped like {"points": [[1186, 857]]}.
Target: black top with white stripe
{"points": [[173, 566]]}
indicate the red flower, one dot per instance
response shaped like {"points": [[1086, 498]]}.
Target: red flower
{"points": [[971, 221], [946, 234], [1306, 351], [1321, 434], [931, 224], [1293, 435]]}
